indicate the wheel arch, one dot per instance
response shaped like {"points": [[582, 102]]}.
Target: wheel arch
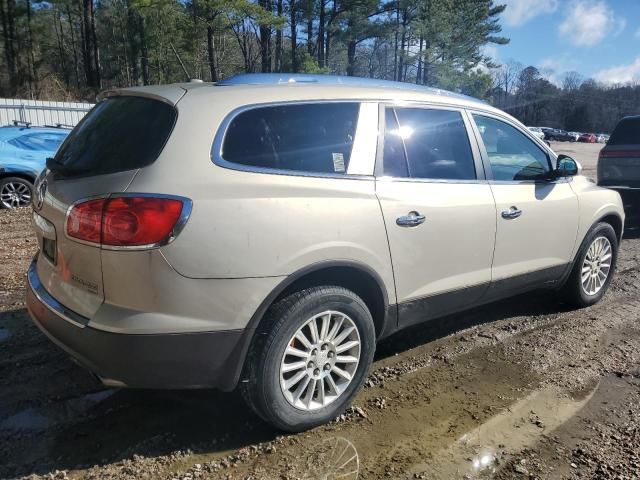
{"points": [[25, 176], [615, 221], [355, 276]]}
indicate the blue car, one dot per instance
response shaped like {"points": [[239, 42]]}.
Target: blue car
{"points": [[23, 155]]}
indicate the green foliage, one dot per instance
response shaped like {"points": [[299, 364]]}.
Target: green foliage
{"points": [[308, 64]]}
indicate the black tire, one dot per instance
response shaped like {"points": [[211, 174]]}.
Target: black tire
{"points": [[261, 388], [572, 292], [16, 181]]}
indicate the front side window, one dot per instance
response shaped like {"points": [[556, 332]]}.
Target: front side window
{"points": [[314, 137], [428, 144], [512, 155]]}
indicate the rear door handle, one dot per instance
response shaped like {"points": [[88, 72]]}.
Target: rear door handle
{"points": [[412, 219], [513, 212]]}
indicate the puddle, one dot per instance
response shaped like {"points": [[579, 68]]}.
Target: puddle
{"points": [[4, 334], [479, 453], [333, 458], [42, 418]]}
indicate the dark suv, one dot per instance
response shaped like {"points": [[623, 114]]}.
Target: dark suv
{"points": [[619, 165]]}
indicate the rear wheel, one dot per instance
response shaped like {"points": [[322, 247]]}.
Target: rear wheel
{"points": [[15, 192], [312, 359], [593, 268]]}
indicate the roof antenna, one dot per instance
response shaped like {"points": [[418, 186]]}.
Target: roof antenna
{"points": [[184, 69]]}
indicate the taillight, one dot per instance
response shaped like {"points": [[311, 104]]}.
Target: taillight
{"points": [[126, 221], [84, 219], [619, 153]]}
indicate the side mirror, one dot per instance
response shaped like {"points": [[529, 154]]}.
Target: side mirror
{"points": [[567, 166]]}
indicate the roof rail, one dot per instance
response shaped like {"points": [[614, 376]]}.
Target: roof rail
{"points": [[322, 79]]}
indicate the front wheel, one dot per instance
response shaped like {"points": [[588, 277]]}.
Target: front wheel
{"points": [[593, 268], [15, 192], [312, 358]]}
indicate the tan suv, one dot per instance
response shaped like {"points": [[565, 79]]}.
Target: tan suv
{"points": [[266, 232]]}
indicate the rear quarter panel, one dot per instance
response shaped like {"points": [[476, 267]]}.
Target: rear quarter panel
{"points": [[247, 224]]}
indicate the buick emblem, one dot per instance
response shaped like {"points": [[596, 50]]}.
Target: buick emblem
{"points": [[41, 191]]}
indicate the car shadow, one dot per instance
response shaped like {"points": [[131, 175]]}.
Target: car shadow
{"points": [[55, 416], [537, 303]]}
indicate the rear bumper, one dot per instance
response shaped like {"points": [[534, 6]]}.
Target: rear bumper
{"points": [[189, 360]]}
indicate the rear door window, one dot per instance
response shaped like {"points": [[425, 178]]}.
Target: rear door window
{"points": [[627, 132], [118, 134], [427, 143], [314, 137]]}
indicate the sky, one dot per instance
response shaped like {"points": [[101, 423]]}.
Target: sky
{"points": [[599, 39]]}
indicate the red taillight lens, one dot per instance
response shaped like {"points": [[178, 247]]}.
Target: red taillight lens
{"points": [[84, 220], [125, 221], [619, 153], [135, 221]]}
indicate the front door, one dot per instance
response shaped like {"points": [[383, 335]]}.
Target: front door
{"points": [[537, 218], [438, 210]]}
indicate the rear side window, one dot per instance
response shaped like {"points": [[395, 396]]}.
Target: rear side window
{"points": [[315, 137], [118, 134], [627, 132], [427, 143]]}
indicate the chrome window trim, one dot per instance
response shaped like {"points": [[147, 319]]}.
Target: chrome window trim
{"points": [[475, 151], [48, 301], [187, 208], [216, 148]]}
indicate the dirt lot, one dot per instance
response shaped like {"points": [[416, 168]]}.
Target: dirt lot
{"points": [[524, 388]]}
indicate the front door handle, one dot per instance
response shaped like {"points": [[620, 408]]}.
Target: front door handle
{"points": [[412, 219], [513, 212]]}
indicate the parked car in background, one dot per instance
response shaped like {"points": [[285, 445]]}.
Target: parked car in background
{"points": [[575, 136], [619, 165], [588, 138], [602, 138], [558, 135], [24, 150], [251, 233], [537, 131]]}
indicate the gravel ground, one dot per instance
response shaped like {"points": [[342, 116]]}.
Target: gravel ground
{"points": [[524, 388]]}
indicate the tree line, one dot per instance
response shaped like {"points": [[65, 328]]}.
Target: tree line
{"points": [[571, 103], [83, 46], [72, 49]]}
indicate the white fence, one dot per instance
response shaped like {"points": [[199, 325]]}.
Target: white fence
{"points": [[41, 113]]}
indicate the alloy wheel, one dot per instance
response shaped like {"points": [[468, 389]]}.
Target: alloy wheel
{"points": [[320, 360], [14, 194], [596, 265]]}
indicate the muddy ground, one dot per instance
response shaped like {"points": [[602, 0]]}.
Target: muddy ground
{"points": [[524, 388]]}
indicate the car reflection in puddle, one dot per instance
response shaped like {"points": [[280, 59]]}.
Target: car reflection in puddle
{"points": [[480, 452]]}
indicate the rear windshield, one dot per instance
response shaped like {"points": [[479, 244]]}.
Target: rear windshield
{"points": [[118, 134], [627, 132]]}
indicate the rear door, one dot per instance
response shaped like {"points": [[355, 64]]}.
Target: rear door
{"points": [[537, 219], [99, 157], [438, 210]]}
